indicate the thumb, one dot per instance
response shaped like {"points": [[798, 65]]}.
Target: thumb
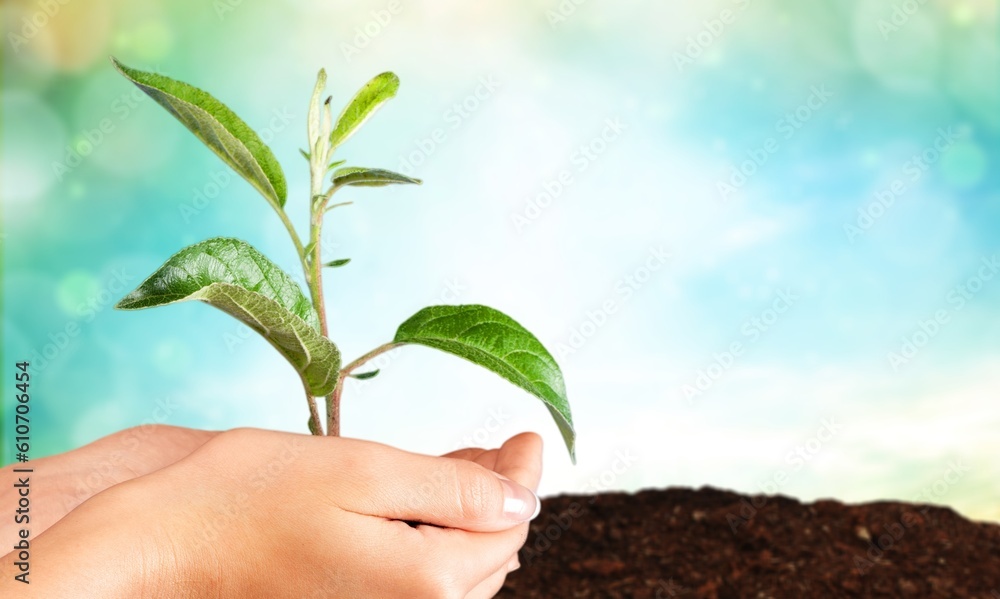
{"points": [[447, 492]]}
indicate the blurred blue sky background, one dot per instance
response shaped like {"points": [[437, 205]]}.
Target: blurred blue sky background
{"points": [[760, 237]]}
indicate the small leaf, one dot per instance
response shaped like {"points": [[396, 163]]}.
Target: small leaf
{"points": [[217, 127], [337, 263], [335, 164], [368, 99], [305, 155], [234, 277], [496, 342], [365, 375], [315, 106], [370, 177]]}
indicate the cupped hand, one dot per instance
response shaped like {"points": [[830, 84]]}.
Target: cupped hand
{"points": [[255, 513]]}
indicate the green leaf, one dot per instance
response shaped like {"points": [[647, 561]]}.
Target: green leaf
{"points": [[237, 279], [495, 341], [369, 177], [217, 127], [368, 99], [366, 375], [337, 263]]}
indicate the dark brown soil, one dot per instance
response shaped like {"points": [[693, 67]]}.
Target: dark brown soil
{"points": [[716, 544]]}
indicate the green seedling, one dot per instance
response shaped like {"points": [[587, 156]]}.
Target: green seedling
{"points": [[234, 277]]}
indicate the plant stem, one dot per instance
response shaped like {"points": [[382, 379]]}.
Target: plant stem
{"points": [[314, 423], [299, 249], [318, 134], [346, 370], [315, 277], [333, 409], [316, 282], [337, 205], [333, 401]]}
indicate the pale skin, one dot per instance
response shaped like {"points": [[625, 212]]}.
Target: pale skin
{"points": [[252, 513]]}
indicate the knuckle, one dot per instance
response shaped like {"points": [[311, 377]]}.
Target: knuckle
{"points": [[239, 437], [479, 496], [229, 443]]}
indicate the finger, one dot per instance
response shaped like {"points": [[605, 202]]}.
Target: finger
{"points": [[488, 459], [492, 585], [140, 450], [473, 557], [513, 564], [390, 483], [520, 459], [484, 457], [129, 454], [469, 454]]}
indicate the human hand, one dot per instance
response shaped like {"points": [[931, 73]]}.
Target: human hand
{"points": [[263, 514], [64, 481]]}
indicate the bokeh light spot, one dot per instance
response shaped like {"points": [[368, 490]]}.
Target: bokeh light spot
{"points": [[33, 139], [76, 289], [964, 165], [152, 41], [172, 357]]}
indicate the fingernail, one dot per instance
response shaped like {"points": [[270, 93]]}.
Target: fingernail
{"points": [[519, 503]]}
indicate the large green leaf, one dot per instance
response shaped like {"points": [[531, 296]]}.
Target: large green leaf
{"points": [[368, 99], [497, 342], [369, 177], [237, 279], [217, 127]]}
